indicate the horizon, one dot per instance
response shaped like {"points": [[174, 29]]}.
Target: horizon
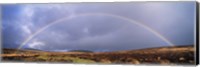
{"points": [[99, 51]]}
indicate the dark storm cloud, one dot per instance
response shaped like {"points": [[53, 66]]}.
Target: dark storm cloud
{"points": [[98, 33], [9, 26]]}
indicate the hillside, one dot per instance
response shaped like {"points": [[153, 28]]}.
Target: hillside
{"points": [[159, 55]]}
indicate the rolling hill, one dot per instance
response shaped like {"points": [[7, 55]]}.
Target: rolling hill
{"points": [[159, 55]]}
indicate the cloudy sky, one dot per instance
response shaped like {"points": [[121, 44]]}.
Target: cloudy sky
{"points": [[173, 20]]}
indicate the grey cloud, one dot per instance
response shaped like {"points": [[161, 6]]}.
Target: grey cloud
{"points": [[101, 33]]}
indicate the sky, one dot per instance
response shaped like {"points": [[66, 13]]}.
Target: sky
{"points": [[173, 20]]}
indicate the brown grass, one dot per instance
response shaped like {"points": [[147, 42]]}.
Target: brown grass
{"points": [[164, 55]]}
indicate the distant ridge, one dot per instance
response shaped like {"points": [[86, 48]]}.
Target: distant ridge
{"points": [[88, 51], [80, 51], [32, 49]]}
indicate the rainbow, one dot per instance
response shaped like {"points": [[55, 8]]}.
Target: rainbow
{"points": [[95, 14]]}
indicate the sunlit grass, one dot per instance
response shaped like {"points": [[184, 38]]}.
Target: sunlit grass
{"points": [[46, 57]]}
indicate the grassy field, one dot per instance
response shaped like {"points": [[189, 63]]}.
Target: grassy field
{"points": [[161, 55]]}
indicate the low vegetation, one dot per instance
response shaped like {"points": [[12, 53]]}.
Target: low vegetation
{"points": [[163, 55]]}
